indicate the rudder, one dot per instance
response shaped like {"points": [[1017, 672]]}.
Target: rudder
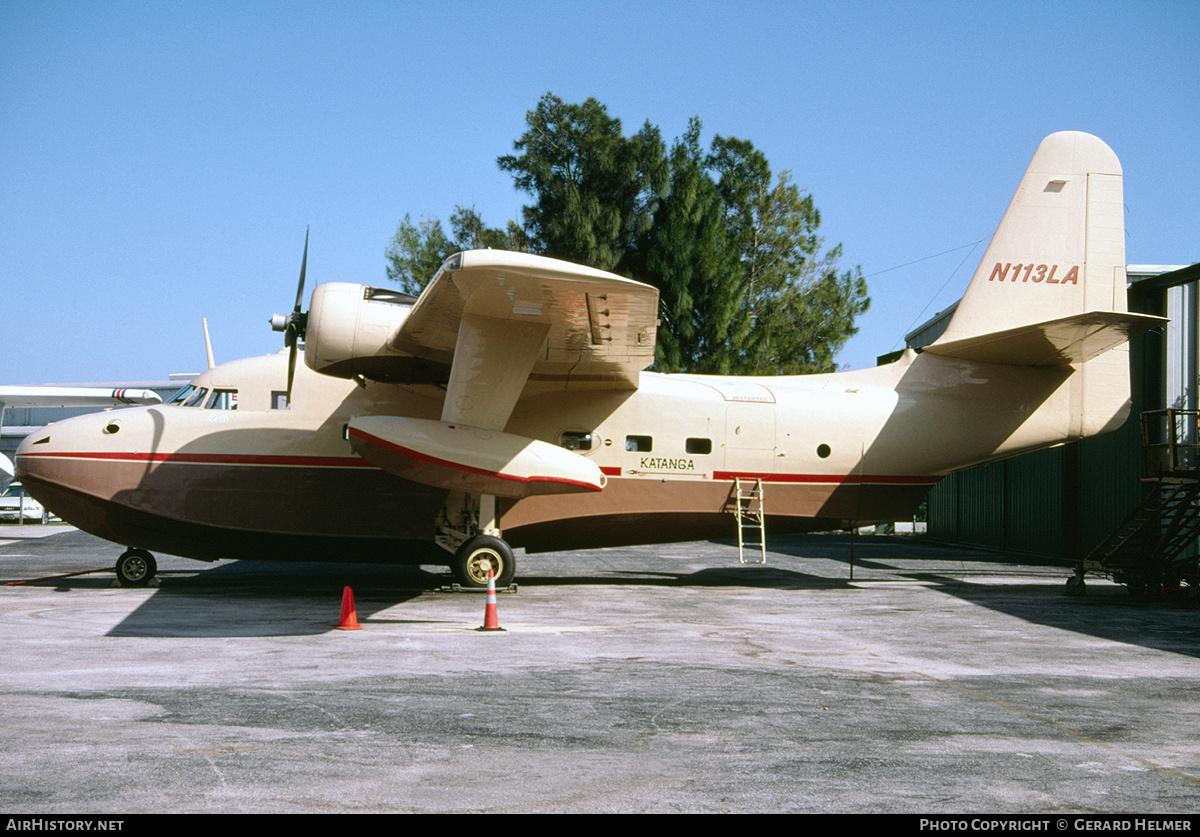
{"points": [[1060, 248], [1050, 291]]}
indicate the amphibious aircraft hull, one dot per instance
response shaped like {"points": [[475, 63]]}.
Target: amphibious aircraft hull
{"points": [[212, 506], [115, 521], [255, 483]]}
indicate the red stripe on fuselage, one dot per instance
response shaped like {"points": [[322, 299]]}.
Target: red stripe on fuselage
{"points": [[210, 458], [357, 462], [828, 479]]}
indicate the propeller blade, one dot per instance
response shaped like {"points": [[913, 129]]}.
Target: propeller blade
{"points": [[303, 266], [294, 325], [291, 373]]}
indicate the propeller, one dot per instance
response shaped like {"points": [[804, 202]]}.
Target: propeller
{"points": [[294, 324]]}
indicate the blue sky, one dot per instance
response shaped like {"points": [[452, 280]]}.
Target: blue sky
{"points": [[159, 162]]}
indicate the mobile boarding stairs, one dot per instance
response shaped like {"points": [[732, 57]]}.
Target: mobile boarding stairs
{"points": [[1154, 549]]}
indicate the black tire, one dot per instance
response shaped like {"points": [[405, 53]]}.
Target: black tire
{"points": [[1140, 588], [1075, 586], [135, 568], [468, 564], [1190, 596]]}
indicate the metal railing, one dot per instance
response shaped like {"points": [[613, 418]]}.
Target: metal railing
{"points": [[1170, 442]]}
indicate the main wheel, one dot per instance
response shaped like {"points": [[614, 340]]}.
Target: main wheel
{"points": [[1190, 596], [1076, 585], [1140, 587], [135, 568], [474, 558]]}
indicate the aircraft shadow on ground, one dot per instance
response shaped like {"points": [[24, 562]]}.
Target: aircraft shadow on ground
{"points": [[275, 599], [765, 577], [294, 599], [1107, 612], [303, 599]]}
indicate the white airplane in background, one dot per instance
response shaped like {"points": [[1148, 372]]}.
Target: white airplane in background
{"points": [[510, 405], [46, 396]]}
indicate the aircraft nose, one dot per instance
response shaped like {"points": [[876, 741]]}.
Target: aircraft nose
{"points": [[48, 454], [30, 457], [75, 465]]}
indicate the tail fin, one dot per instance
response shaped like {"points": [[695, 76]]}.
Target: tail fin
{"points": [[1051, 288]]}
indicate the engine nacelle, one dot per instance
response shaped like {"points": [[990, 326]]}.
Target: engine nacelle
{"points": [[350, 328]]}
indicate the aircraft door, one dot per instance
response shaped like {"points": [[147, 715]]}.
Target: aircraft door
{"points": [[750, 437]]}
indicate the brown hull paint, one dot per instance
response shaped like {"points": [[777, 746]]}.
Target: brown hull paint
{"points": [[365, 514], [637, 511], [270, 499], [122, 524]]}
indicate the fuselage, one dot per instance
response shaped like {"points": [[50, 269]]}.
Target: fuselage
{"points": [[227, 470], [506, 355]]}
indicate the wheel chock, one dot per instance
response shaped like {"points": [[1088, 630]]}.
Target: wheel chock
{"points": [[349, 619]]}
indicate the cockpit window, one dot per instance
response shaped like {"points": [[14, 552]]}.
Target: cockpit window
{"points": [[197, 397], [223, 399], [182, 395]]}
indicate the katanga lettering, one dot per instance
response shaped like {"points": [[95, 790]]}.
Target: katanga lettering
{"points": [[654, 463], [1034, 273]]}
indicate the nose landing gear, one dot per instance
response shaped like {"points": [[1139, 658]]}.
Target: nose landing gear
{"points": [[135, 568]]}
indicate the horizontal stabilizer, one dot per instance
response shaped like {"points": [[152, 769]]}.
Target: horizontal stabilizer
{"points": [[464, 458], [1074, 339]]}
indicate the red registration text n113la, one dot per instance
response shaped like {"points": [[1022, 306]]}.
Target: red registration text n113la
{"points": [[1034, 273]]}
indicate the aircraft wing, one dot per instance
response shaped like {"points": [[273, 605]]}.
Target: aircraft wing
{"points": [[46, 396], [501, 319]]}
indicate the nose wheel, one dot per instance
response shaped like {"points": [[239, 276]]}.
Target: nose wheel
{"points": [[135, 568]]}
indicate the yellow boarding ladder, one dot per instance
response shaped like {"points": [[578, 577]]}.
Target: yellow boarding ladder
{"points": [[749, 511]]}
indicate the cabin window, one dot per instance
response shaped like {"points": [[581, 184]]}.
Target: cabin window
{"points": [[640, 444], [823, 451], [577, 440], [197, 397], [223, 399], [701, 446], [279, 399]]}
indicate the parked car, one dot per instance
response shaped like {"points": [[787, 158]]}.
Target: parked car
{"points": [[15, 503]]}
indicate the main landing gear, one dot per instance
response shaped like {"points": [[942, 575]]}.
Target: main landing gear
{"points": [[475, 542], [475, 557], [135, 568], [1145, 587], [1076, 586]]}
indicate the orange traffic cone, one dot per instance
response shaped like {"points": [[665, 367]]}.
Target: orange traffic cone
{"points": [[491, 621], [349, 620]]}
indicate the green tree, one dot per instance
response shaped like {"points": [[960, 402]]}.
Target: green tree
{"points": [[735, 253], [685, 255], [470, 233], [801, 328], [799, 311], [416, 253], [594, 190]]}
